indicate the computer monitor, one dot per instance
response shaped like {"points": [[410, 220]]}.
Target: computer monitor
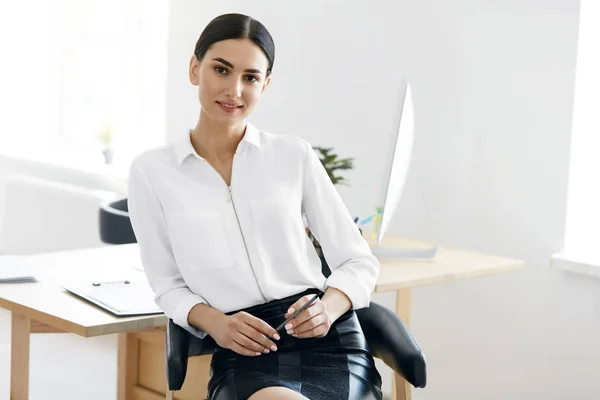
{"points": [[398, 163]]}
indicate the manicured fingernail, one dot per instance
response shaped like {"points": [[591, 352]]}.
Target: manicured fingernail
{"points": [[288, 327], [291, 311], [276, 337], [265, 350], [274, 348], [258, 354], [290, 332]]}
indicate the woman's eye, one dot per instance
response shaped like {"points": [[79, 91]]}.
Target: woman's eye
{"points": [[251, 78], [220, 70]]}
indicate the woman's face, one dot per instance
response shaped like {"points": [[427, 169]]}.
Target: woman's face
{"points": [[231, 78]]}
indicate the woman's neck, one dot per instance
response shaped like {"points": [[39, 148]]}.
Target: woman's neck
{"points": [[213, 140]]}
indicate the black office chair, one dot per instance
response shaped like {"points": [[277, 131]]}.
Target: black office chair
{"points": [[115, 226], [387, 336]]}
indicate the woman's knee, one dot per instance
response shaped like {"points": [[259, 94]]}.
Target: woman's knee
{"points": [[276, 393]]}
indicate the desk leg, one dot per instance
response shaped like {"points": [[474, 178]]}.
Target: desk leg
{"points": [[401, 390], [127, 367], [19, 357]]}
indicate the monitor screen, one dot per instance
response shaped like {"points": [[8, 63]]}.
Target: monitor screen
{"points": [[399, 158]]}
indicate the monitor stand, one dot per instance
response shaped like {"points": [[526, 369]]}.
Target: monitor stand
{"points": [[399, 253]]}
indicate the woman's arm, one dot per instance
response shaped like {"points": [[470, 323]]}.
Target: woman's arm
{"points": [[173, 295], [354, 269], [337, 302]]}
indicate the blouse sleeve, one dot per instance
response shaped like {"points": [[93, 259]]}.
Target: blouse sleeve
{"points": [[354, 269], [173, 296]]}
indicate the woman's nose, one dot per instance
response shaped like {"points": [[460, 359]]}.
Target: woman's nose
{"points": [[234, 89]]}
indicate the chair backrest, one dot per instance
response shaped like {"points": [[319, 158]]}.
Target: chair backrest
{"points": [[115, 225]]}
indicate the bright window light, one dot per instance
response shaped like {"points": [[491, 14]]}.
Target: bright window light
{"points": [[75, 68]]}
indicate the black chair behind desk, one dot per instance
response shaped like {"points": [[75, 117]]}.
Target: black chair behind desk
{"points": [[115, 226], [387, 336]]}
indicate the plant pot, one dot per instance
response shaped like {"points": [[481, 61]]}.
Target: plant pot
{"points": [[108, 156]]}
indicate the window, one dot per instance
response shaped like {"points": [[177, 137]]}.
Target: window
{"points": [[583, 210], [78, 68], [29, 74]]}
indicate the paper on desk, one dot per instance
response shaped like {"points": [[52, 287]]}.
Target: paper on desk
{"points": [[13, 269]]}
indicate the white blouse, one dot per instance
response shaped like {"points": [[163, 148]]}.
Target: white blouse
{"points": [[236, 246]]}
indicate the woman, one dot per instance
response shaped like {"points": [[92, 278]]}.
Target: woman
{"points": [[219, 220]]}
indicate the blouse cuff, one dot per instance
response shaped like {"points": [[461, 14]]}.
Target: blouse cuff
{"points": [[182, 311]]}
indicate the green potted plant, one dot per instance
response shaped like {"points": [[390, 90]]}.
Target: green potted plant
{"points": [[332, 164]]}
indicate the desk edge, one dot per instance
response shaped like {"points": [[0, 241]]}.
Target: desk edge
{"points": [[387, 287]]}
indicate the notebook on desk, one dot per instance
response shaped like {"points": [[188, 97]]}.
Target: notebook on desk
{"points": [[121, 298], [14, 270]]}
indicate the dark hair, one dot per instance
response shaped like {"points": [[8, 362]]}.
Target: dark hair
{"points": [[236, 26]]}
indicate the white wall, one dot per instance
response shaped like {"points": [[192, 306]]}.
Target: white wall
{"points": [[493, 85]]}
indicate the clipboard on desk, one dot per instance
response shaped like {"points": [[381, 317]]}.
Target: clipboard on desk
{"points": [[122, 298]]}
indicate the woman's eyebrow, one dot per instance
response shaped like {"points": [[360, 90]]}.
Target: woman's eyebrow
{"points": [[230, 65]]}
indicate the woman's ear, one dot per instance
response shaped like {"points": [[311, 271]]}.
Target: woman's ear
{"points": [[267, 83], [194, 70]]}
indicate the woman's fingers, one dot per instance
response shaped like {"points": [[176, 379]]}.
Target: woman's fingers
{"points": [[259, 341], [245, 339], [318, 332], [262, 327], [314, 327], [318, 307], [240, 349], [243, 333], [299, 303]]}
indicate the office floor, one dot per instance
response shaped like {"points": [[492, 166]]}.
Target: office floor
{"points": [[65, 367]]}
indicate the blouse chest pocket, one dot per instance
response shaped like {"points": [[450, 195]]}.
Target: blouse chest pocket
{"points": [[280, 228], [199, 239]]}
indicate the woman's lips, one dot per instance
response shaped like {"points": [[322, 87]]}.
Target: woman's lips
{"points": [[229, 107]]}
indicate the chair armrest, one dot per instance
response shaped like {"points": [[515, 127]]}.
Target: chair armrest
{"points": [[390, 340], [180, 345]]}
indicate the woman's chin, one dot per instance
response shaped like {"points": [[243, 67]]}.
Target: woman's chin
{"points": [[221, 117], [230, 119]]}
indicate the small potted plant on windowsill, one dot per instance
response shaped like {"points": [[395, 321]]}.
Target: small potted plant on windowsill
{"points": [[106, 136], [332, 164]]}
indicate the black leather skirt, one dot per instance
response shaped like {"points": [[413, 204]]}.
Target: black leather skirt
{"points": [[338, 366]]}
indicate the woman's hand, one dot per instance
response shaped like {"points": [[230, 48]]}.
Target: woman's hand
{"points": [[245, 334], [315, 321]]}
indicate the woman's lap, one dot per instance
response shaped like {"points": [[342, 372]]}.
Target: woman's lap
{"points": [[338, 366]]}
